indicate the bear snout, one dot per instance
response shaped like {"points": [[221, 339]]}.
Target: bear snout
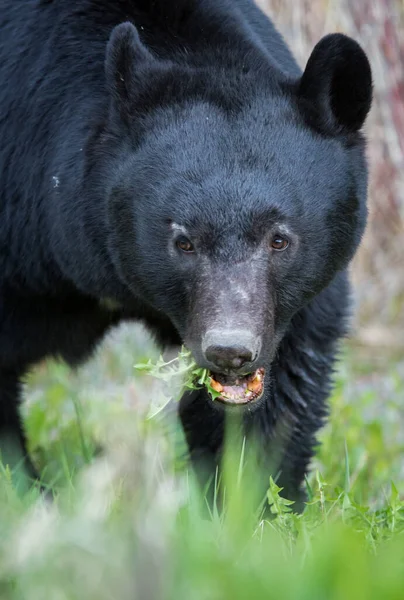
{"points": [[231, 350]]}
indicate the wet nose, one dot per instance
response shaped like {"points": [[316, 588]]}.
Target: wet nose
{"points": [[230, 350]]}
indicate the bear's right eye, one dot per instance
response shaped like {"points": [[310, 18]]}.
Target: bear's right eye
{"points": [[184, 244], [279, 243]]}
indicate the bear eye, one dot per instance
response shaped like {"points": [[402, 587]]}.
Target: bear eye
{"points": [[184, 244], [279, 243]]}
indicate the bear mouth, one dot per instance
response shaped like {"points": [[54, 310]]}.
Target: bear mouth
{"points": [[238, 390]]}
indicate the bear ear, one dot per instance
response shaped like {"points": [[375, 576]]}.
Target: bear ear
{"points": [[124, 56], [336, 86]]}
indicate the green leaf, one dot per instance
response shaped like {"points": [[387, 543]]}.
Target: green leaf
{"points": [[181, 373]]}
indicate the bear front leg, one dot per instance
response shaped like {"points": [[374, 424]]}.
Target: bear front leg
{"points": [[295, 467], [278, 450], [203, 426], [12, 436], [204, 423]]}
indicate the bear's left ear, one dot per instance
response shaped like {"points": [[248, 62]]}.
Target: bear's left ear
{"points": [[125, 56], [336, 86]]}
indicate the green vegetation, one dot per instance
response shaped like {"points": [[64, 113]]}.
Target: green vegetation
{"points": [[130, 523], [179, 374]]}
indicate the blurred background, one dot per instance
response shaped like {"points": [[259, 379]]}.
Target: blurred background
{"points": [[378, 270]]}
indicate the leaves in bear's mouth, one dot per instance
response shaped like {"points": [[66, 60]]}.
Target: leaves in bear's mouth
{"points": [[182, 373], [179, 374]]}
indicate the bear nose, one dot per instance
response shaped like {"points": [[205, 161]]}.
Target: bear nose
{"points": [[228, 357], [230, 350]]}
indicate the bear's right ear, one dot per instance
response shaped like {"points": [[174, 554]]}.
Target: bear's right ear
{"points": [[125, 55]]}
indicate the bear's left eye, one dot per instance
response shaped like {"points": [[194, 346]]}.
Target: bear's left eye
{"points": [[279, 243], [184, 244]]}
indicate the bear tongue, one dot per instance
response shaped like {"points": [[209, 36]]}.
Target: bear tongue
{"points": [[235, 390]]}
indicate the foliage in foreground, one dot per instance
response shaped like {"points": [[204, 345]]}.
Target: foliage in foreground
{"points": [[132, 523]]}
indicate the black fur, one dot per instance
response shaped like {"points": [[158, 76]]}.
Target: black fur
{"points": [[121, 120]]}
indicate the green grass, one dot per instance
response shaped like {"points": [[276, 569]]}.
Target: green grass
{"points": [[130, 523]]}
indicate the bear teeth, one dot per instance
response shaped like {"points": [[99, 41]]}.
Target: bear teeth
{"points": [[245, 389]]}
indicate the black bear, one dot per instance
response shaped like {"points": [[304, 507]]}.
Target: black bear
{"points": [[172, 157]]}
